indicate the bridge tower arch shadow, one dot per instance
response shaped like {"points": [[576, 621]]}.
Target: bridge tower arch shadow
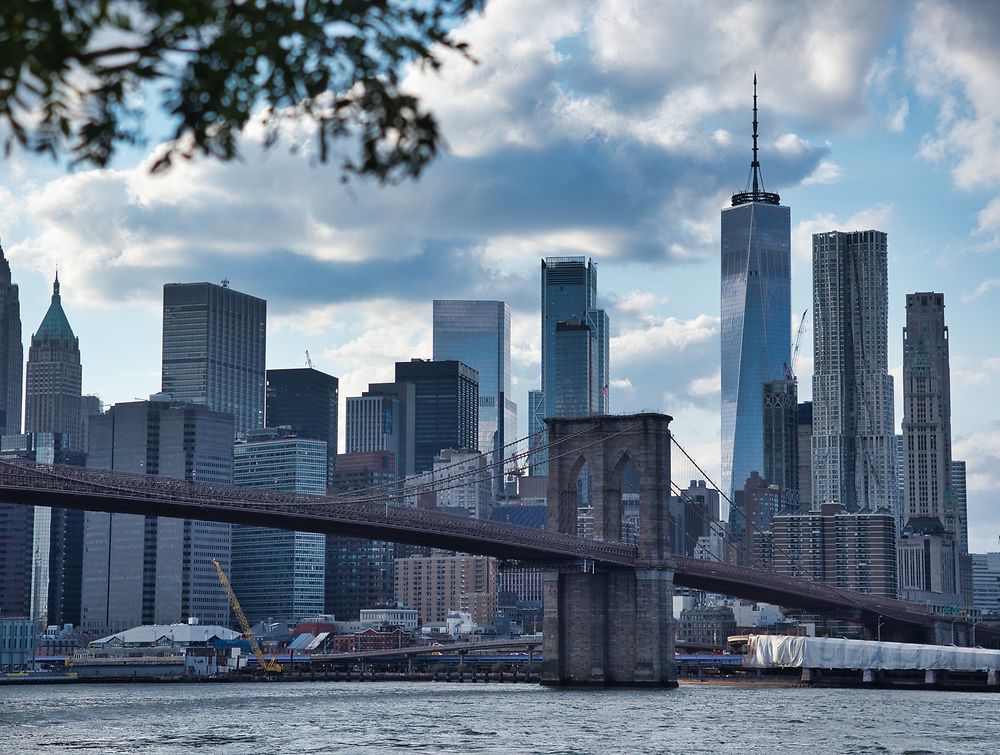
{"points": [[607, 626]]}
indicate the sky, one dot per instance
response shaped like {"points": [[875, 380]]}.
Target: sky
{"points": [[616, 129]]}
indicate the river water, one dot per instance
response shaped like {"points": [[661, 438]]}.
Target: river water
{"points": [[382, 717]]}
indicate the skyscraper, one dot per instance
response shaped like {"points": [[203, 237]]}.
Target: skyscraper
{"points": [[404, 399], [279, 574], [569, 296], [853, 448], [446, 411], [755, 331], [11, 352], [213, 350], [307, 401], [478, 334], [373, 424], [148, 569], [536, 429], [54, 376], [927, 413], [958, 489], [804, 454], [781, 429]]}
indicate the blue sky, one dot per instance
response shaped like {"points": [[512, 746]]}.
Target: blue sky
{"points": [[612, 128]]}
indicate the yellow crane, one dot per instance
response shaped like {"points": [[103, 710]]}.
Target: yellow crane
{"points": [[241, 617]]}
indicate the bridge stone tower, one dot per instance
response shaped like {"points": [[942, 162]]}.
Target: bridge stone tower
{"points": [[611, 626]]}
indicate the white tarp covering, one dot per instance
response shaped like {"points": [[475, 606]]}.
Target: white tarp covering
{"points": [[779, 651]]}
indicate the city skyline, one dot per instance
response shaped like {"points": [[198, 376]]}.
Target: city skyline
{"points": [[879, 100]]}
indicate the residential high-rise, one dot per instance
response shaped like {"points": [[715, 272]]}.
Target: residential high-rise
{"points": [[755, 330], [279, 574], [781, 434], [477, 333], [54, 536], [446, 409], [214, 341], [11, 352], [306, 400], [851, 551], [147, 569], [54, 376], [853, 447], [439, 583]]}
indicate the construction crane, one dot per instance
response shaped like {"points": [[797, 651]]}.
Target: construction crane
{"points": [[270, 666], [309, 361], [790, 372]]}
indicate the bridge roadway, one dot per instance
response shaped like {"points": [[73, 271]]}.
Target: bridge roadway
{"points": [[115, 492]]}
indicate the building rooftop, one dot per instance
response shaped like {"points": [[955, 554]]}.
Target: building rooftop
{"points": [[55, 324], [160, 634]]}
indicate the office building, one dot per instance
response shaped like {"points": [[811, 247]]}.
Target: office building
{"points": [[927, 413], [374, 425], [446, 407], [960, 495], [437, 584], [928, 560], [536, 431], [986, 582], [11, 352], [477, 333], [89, 407], [359, 573], [53, 377], [804, 454], [147, 569], [16, 538], [853, 446], [781, 434], [575, 341], [279, 574], [404, 451], [755, 330], [214, 342], [305, 400], [52, 538], [847, 550]]}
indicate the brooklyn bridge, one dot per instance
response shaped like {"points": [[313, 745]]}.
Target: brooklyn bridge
{"points": [[608, 603]]}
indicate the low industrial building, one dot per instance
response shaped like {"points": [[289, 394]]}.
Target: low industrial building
{"points": [[17, 643]]}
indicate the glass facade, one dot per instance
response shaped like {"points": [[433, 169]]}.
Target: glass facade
{"points": [[213, 350], [446, 400], [755, 330], [478, 334], [306, 400], [279, 574], [11, 352]]}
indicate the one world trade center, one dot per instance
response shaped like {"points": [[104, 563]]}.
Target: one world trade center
{"points": [[756, 317]]}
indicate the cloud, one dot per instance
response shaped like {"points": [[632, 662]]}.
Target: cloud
{"points": [[827, 172], [711, 385], [877, 217], [662, 339], [982, 289]]}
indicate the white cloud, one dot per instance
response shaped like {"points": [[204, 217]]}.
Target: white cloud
{"points": [[878, 217], [827, 172], [662, 339], [710, 385], [982, 289], [897, 121]]}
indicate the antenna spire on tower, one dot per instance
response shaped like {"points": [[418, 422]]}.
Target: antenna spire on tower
{"points": [[754, 191]]}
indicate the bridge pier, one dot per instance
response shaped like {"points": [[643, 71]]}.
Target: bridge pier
{"points": [[609, 628]]}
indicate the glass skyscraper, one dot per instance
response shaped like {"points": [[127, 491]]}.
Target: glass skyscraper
{"points": [[213, 350], [756, 318], [279, 574], [478, 334], [305, 400], [11, 352]]}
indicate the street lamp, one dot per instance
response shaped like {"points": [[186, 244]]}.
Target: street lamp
{"points": [[880, 623]]}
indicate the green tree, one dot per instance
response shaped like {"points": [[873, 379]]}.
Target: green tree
{"points": [[74, 75]]}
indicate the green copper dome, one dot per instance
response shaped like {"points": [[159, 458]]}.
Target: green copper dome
{"points": [[55, 324]]}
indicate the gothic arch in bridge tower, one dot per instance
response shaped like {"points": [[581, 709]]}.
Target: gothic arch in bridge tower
{"points": [[611, 626]]}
